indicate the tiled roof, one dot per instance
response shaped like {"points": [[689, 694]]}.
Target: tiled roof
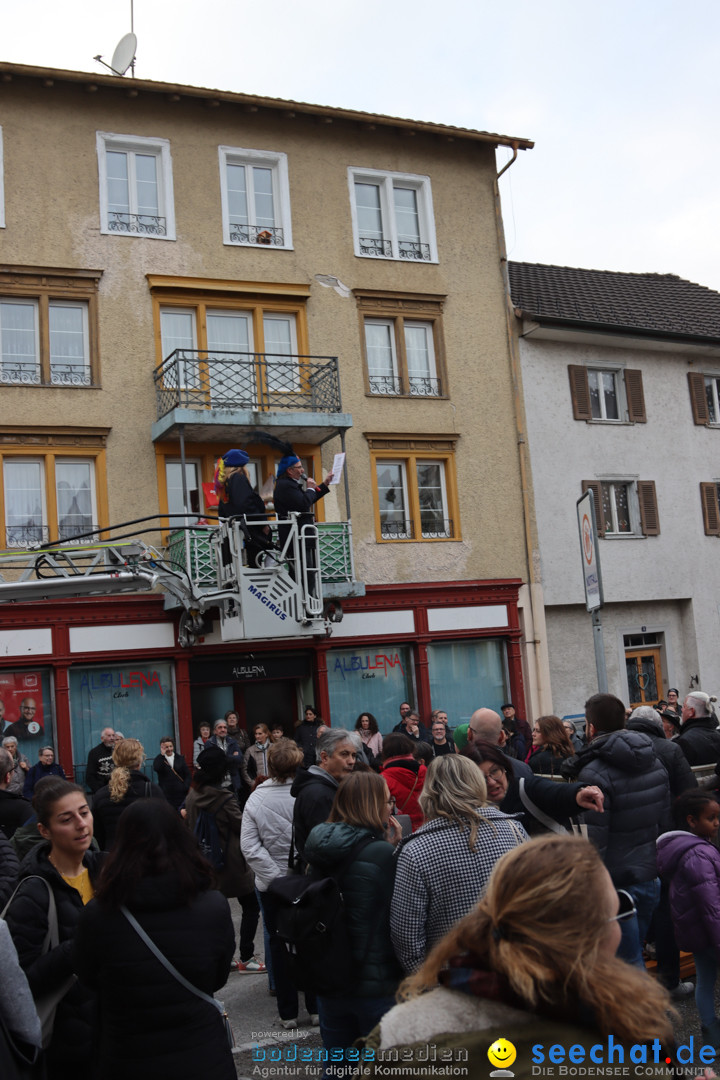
{"points": [[661, 304]]}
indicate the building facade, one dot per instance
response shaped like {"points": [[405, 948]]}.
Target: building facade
{"points": [[185, 270], [621, 374]]}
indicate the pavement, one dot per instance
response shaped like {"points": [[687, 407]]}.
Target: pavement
{"points": [[263, 1047]]}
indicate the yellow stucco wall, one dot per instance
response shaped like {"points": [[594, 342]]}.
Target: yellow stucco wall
{"points": [[52, 220]]}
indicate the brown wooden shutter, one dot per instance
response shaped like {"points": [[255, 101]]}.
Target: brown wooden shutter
{"points": [[580, 392], [649, 518], [711, 510], [596, 487], [635, 397], [696, 381]]}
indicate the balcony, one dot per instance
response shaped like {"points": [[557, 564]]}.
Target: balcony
{"points": [[193, 550], [216, 396]]}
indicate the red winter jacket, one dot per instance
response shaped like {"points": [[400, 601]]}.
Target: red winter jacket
{"points": [[405, 777]]}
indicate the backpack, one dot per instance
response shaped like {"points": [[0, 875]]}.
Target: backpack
{"points": [[208, 837], [311, 923]]}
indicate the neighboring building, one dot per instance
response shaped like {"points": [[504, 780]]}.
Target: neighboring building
{"points": [[183, 268], [621, 376]]}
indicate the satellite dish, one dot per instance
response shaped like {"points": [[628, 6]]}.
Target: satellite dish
{"points": [[124, 54]]}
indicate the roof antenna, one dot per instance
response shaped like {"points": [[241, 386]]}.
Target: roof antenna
{"points": [[124, 55]]}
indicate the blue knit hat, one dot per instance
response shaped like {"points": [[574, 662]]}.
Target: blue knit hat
{"points": [[287, 463], [236, 457]]}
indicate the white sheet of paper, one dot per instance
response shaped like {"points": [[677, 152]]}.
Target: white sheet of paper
{"points": [[338, 465]]}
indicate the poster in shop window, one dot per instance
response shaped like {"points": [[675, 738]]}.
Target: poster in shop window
{"points": [[22, 705]]}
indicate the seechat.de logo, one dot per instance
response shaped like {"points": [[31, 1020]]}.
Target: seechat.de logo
{"points": [[501, 1054]]}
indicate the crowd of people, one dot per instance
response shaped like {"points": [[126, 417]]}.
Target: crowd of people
{"points": [[463, 885]]}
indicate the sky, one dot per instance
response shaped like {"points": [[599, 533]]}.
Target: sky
{"points": [[622, 98]]}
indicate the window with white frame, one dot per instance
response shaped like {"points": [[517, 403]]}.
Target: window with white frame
{"points": [[712, 397], [392, 215], [48, 498], [625, 507], [612, 395], [136, 188], [44, 341], [255, 196]]}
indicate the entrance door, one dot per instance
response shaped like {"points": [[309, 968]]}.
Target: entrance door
{"points": [[269, 702], [644, 676]]}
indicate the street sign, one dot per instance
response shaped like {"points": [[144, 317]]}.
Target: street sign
{"points": [[592, 578]]}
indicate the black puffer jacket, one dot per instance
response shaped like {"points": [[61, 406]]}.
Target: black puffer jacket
{"points": [[314, 792], [699, 740], [545, 762], [107, 813], [625, 767], [367, 888], [27, 918], [306, 738], [151, 1027], [9, 866], [680, 775]]}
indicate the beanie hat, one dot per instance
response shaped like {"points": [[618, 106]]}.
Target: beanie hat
{"points": [[236, 457], [287, 463]]}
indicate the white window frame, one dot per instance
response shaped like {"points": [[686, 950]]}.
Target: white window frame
{"points": [[629, 482], [713, 380], [407, 522], [22, 301], [194, 382], [278, 164], [386, 181], [83, 305], [620, 394], [391, 326], [138, 144], [432, 374], [2, 182]]}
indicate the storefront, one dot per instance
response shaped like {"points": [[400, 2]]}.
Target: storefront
{"points": [[73, 667]]}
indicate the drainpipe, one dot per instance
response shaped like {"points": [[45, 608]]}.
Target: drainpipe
{"points": [[537, 610]]}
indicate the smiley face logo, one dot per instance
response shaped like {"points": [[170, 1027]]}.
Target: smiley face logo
{"points": [[502, 1054]]}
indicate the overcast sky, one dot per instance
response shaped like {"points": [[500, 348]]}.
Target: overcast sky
{"points": [[620, 97]]}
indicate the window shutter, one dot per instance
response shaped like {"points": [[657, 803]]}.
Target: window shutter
{"points": [[580, 392], [696, 381], [596, 487], [635, 397], [649, 519], [711, 510]]}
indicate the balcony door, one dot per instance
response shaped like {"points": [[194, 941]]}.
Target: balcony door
{"points": [[232, 377]]}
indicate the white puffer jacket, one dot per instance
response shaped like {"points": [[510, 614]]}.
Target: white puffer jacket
{"points": [[267, 831]]}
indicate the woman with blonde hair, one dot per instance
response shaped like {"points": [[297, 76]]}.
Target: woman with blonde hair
{"points": [[254, 766], [550, 745], [535, 963], [126, 784], [443, 868], [238, 498]]}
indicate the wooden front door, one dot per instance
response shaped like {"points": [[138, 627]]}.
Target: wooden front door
{"points": [[644, 676]]}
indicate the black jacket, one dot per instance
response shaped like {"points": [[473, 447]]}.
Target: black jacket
{"points": [[150, 1026], [423, 733], [314, 792], [290, 498], [544, 761], [680, 775], [625, 767], [9, 866], [174, 782], [99, 766], [14, 811], [27, 918], [107, 813], [242, 499], [558, 801], [306, 738], [699, 740]]}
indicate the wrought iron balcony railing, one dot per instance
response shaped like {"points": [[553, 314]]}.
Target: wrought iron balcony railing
{"points": [[200, 379], [61, 374], [417, 386], [413, 249], [432, 527], [373, 245], [144, 224], [406, 249], [336, 556], [256, 234]]}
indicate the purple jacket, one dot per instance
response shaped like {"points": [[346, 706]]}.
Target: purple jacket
{"points": [[692, 866]]}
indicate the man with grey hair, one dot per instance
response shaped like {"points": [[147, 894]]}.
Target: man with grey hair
{"points": [[699, 738], [100, 763], [14, 810], [314, 788], [231, 749]]}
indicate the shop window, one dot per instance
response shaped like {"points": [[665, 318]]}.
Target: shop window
{"points": [[26, 710], [48, 328], [464, 673], [392, 215], [53, 494], [255, 198], [373, 678], [136, 188], [415, 489], [136, 699]]}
